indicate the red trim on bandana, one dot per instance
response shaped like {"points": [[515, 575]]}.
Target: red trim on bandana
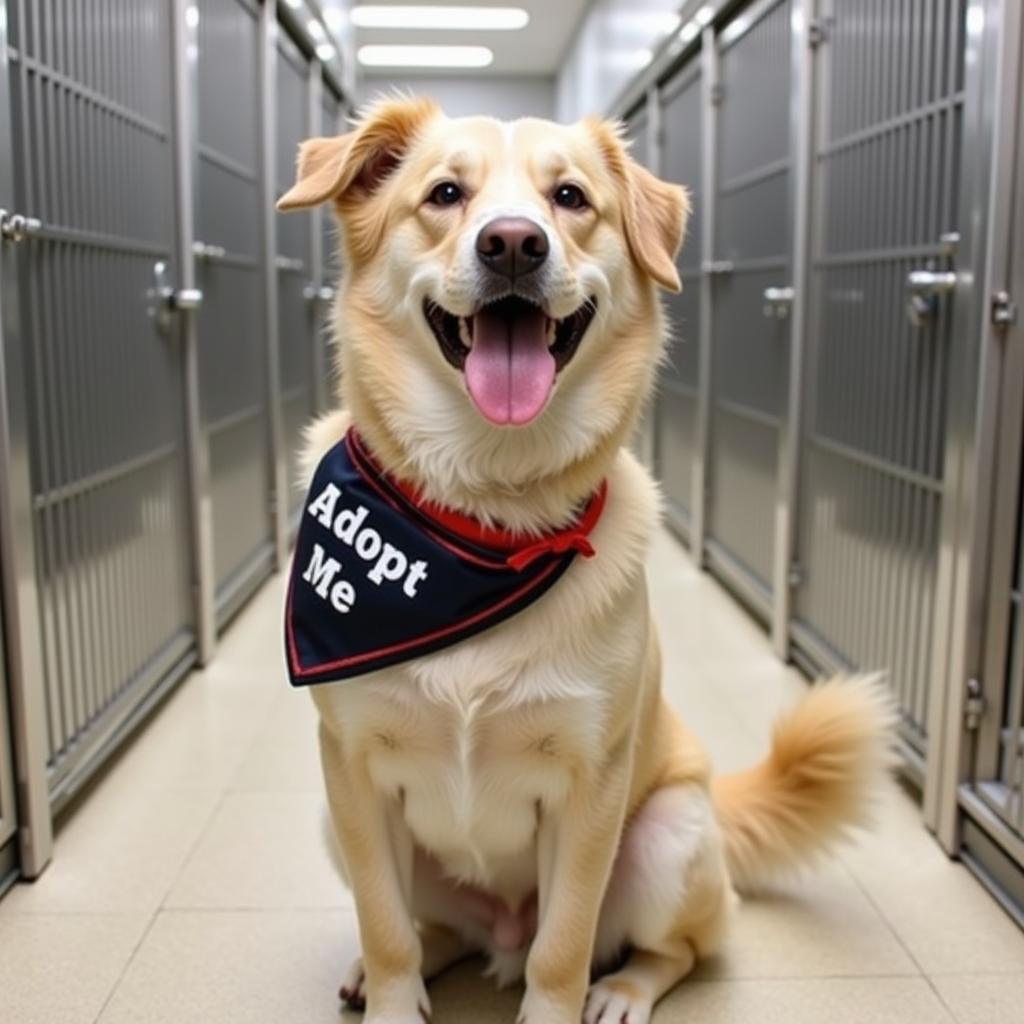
{"points": [[520, 549]]}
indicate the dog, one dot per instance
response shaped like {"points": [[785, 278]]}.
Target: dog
{"points": [[525, 792]]}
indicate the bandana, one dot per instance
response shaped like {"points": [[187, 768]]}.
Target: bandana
{"points": [[380, 577]]}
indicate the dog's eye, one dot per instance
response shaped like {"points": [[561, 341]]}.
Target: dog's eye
{"points": [[445, 194], [570, 196]]}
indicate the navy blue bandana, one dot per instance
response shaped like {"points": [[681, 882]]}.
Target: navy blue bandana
{"points": [[379, 577]]}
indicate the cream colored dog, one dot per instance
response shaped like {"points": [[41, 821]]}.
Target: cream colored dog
{"points": [[527, 793]]}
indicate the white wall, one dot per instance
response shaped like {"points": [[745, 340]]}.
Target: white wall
{"points": [[506, 97], [613, 45]]}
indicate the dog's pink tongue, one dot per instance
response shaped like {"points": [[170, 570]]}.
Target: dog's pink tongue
{"points": [[509, 370]]}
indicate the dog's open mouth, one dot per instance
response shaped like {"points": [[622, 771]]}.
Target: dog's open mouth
{"points": [[510, 351]]}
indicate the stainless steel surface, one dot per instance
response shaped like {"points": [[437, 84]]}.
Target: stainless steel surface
{"points": [[269, 161], [709, 73], [23, 718], [984, 753], [749, 353], [326, 259], [675, 411], [105, 432], [185, 56], [787, 572], [890, 82], [232, 331], [8, 807]]}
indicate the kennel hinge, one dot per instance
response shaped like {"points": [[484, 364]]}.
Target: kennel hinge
{"points": [[817, 32], [974, 705], [1004, 310]]}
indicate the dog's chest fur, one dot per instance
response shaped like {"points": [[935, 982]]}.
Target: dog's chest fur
{"points": [[473, 743]]}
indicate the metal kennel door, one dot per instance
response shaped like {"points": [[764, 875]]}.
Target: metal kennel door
{"points": [[298, 308], [890, 82], [676, 404], [232, 333], [750, 342], [94, 164]]}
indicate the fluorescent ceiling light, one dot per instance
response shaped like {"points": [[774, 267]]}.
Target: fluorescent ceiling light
{"points": [[705, 15], [425, 56], [428, 17]]}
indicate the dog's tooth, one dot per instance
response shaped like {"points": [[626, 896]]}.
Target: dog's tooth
{"points": [[465, 334]]}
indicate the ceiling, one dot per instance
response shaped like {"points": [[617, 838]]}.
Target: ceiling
{"points": [[536, 49]]}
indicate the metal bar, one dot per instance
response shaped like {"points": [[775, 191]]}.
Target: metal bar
{"points": [[801, 191], [197, 446], [22, 638], [212, 156], [268, 131], [890, 469], [234, 419], [761, 174], [317, 263], [85, 484], [98, 240], [98, 99], [744, 412], [894, 254], [699, 488]]}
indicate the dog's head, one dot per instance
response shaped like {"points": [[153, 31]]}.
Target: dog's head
{"points": [[497, 276]]}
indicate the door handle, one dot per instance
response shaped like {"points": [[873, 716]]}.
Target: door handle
{"points": [[165, 300], [205, 251], [16, 227], [778, 301], [924, 288]]}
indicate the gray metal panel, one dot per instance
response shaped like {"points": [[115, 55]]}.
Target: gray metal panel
{"points": [[23, 693], [676, 406], [750, 352], [887, 156], [298, 318], [232, 337], [8, 809], [93, 122]]}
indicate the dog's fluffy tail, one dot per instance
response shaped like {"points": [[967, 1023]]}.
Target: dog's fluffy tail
{"points": [[828, 757]]}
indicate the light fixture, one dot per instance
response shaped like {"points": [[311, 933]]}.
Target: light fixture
{"points": [[689, 31], [325, 51], [316, 30], [705, 15], [425, 56], [438, 17]]}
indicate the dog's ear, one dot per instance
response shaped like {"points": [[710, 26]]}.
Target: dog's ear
{"points": [[654, 212], [353, 166]]}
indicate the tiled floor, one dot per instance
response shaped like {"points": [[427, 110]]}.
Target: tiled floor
{"points": [[193, 885]]}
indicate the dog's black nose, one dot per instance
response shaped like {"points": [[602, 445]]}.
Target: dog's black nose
{"points": [[512, 246]]}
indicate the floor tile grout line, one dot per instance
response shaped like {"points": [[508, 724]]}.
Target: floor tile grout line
{"points": [[900, 940], [129, 960]]}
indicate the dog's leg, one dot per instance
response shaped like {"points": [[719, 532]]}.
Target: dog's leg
{"points": [[392, 952], [579, 850], [667, 900]]}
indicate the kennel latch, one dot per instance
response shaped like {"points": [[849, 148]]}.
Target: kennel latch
{"points": [[778, 302], [974, 705], [16, 227]]}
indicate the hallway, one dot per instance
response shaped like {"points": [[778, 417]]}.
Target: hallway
{"points": [[193, 885]]}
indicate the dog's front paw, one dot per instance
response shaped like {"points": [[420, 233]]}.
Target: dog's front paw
{"points": [[615, 1001], [403, 1001], [353, 989]]}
